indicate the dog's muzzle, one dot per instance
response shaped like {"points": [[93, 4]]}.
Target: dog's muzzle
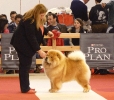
{"points": [[46, 59]]}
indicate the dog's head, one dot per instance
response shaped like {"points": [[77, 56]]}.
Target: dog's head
{"points": [[53, 58]]}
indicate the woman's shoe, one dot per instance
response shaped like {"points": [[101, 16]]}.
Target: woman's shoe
{"points": [[31, 91]]}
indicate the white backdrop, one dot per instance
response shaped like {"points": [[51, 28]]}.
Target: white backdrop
{"points": [[14, 5]]}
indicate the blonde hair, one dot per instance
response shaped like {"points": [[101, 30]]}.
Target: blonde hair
{"points": [[34, 15]]}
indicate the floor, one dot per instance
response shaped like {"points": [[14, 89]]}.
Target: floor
{"points": [[69, 91]]}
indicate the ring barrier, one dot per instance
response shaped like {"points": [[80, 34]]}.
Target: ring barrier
{"points": [[98, 49]]}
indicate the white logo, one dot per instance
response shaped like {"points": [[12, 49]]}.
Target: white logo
{"points": [[101, 15]]}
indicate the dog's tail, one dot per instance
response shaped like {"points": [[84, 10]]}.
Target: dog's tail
{"points": [[77, 55]]}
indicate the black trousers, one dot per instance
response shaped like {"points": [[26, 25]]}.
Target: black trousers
{"points": [[24, 67]]}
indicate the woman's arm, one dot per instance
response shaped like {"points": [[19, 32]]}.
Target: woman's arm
{"points": [[30, 32], [50, 34]]}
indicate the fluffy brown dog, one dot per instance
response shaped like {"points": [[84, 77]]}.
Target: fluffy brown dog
{"points": [[60, 68]]}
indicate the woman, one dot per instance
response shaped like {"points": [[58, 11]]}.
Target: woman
{"points": [[77, 28], [27, 39]]}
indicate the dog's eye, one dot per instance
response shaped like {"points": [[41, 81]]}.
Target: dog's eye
{"points": [[58, 55]]}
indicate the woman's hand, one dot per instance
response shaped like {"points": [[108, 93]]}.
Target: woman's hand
{"points": [[42, 53], [50, 34]]}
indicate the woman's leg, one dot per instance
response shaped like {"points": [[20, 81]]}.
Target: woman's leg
{"points": [[24, 67]]}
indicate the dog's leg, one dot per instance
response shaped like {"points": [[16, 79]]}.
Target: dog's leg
{"points": [[85, 84], [55, 85]]}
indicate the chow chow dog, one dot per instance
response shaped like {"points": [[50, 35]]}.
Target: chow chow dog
{"points": [[60, 69]]}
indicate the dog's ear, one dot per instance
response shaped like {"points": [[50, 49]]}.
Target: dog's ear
{"points": [[59, 56]]}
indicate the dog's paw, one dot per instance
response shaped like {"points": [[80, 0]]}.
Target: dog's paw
{"points": [[86, 90], [52, 90]]}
